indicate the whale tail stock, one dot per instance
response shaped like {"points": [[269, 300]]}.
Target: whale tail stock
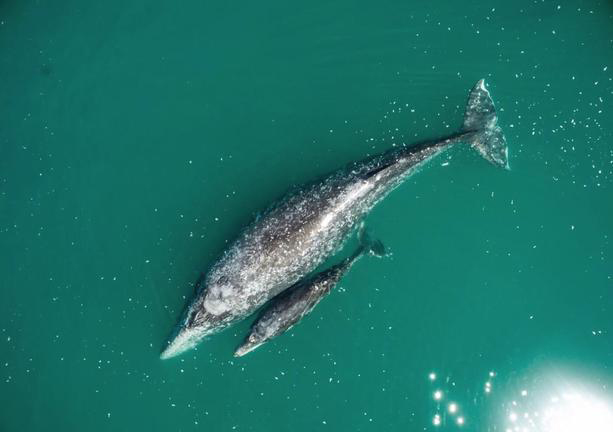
{"points": [[480, 118]]}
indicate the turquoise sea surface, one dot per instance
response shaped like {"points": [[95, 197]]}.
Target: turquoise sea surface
{"points": [[137, 138]]}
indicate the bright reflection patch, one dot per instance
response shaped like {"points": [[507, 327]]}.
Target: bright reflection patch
{"points": [[541, 401], [574, 412], [562, 408]]}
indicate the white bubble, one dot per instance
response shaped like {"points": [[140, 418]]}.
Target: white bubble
{"points": [[453, 408], [438, 395]]}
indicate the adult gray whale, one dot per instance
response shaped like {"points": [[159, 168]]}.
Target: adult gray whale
{"points": [[295, 235]]}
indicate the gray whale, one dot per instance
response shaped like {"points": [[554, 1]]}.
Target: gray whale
{"points": [[300, 231]]}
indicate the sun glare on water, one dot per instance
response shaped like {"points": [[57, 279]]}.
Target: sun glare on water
{"points": [[568, 409], [549, 401], [574, 412]]}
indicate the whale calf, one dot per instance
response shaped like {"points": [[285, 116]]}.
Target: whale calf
{"points": [[288, 308], [300, 231]]}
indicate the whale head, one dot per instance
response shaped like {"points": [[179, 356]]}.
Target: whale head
{"points": [[190, 330], [182, 339], [206, 313], [251, 342]]}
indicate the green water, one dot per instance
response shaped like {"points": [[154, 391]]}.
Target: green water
{"points": [[138, 137]]}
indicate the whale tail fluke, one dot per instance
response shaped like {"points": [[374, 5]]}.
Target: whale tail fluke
{"points": [[481, 119]]}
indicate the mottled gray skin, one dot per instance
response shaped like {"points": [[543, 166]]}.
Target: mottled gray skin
{"points": [[293, 304], [297, 234], [294, 237]]}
